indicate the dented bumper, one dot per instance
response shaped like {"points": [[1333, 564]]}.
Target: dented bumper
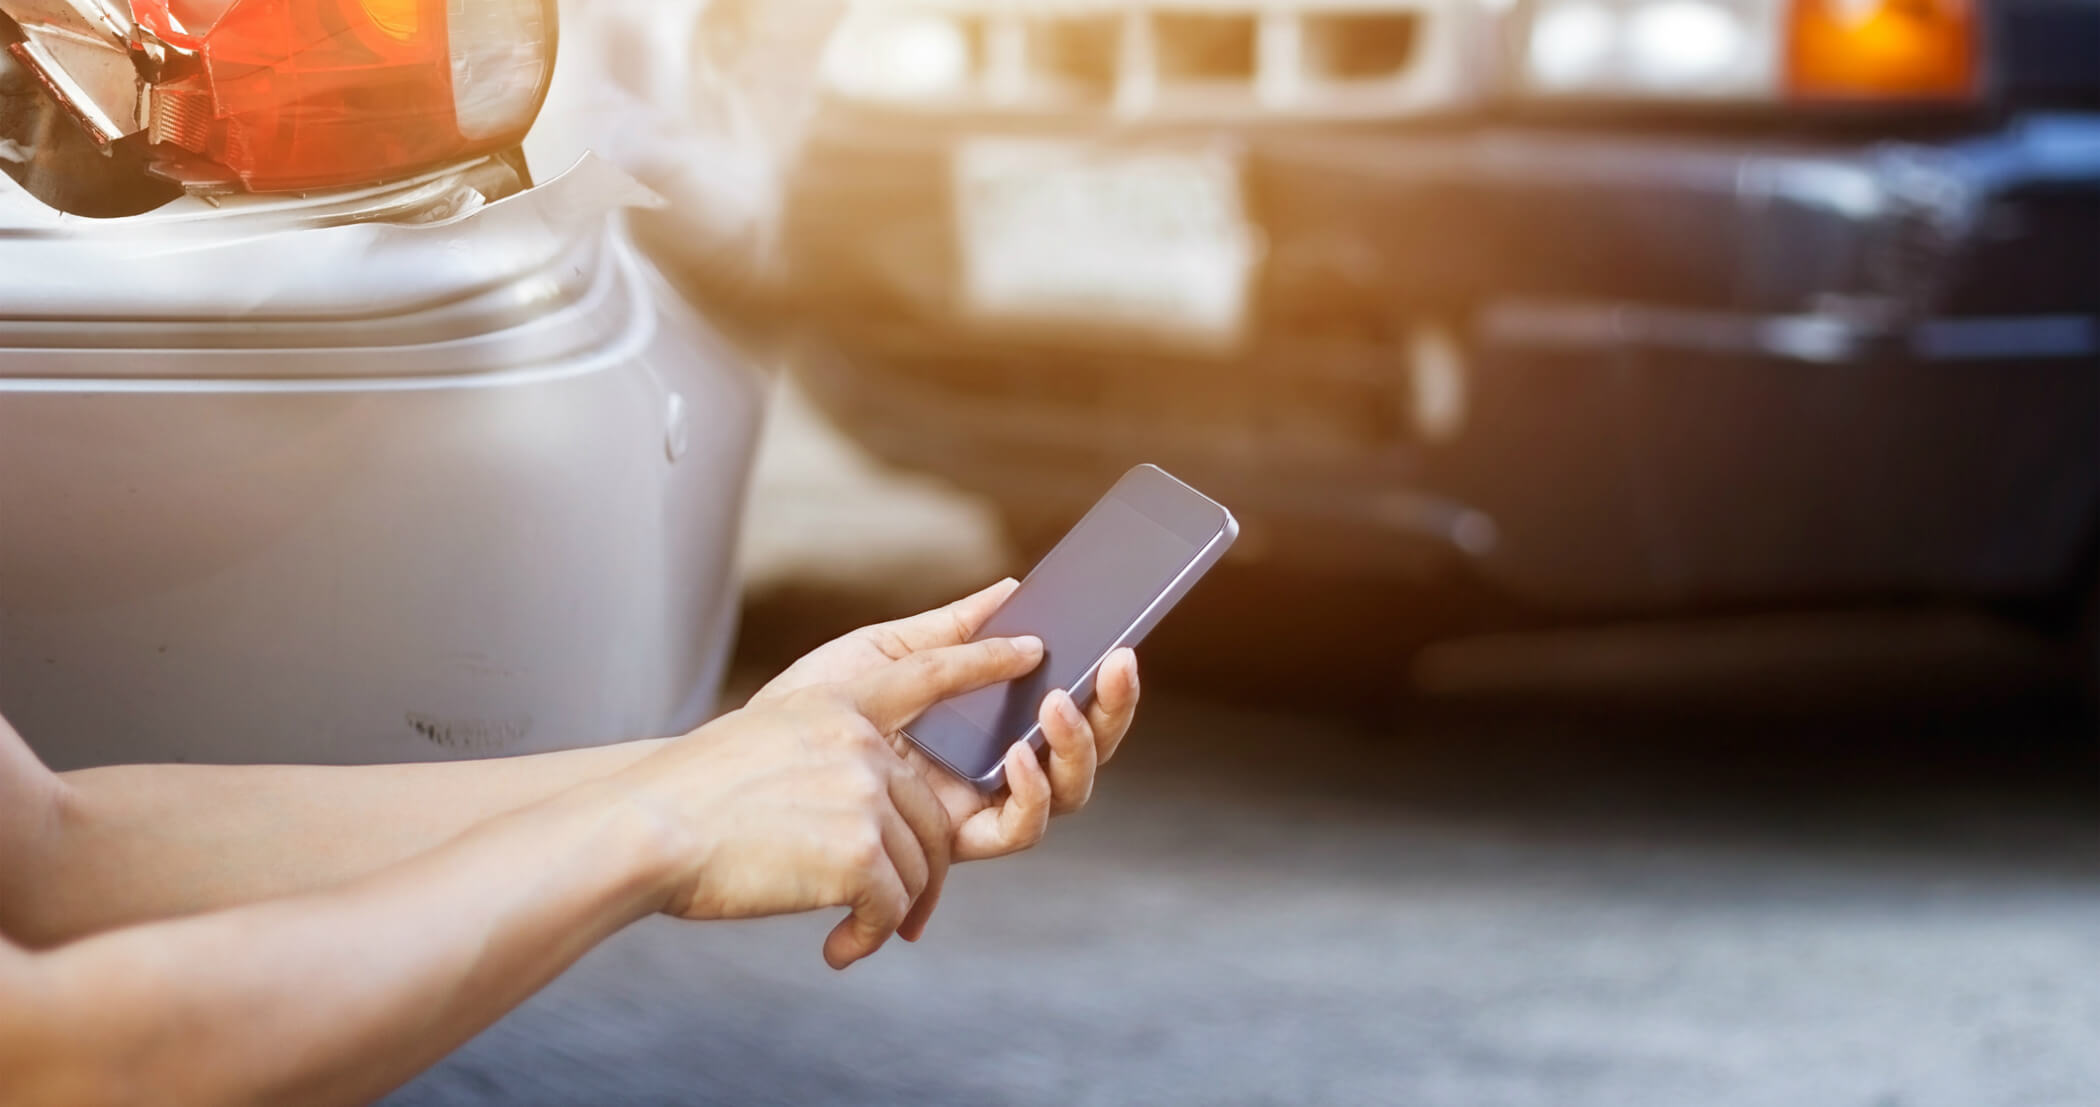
{"points": [[301, 484], [1611, 370]]}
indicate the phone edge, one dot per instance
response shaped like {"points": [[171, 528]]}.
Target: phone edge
{"points": [[1148, 619]]}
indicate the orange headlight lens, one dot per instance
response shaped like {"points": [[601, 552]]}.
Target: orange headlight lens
{"points": [[1882, 49], [397, 19], [299, 94]]}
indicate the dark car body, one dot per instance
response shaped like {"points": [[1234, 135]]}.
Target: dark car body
{"points": [[1605, 360]]}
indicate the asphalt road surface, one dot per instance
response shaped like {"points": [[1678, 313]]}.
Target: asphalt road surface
{"points": [[1775, 861]]}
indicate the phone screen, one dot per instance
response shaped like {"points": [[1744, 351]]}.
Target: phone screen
{"points": [[1081, 600]]}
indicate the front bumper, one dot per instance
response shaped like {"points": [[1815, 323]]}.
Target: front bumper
{"points": [[249, 545], [1603, 370]]}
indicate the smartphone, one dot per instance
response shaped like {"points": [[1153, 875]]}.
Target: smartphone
{"points": [[1105, 584]]}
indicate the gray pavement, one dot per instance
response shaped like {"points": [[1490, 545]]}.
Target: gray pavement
{"points": [[1773, 862]]}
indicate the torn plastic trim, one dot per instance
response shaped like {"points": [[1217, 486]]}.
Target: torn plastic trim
{"points": [[45, 150], [93, 57]]}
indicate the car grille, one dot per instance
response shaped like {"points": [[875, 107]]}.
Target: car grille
{"points": [[1212, 60]]}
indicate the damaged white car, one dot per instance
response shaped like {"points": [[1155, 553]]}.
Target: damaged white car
{"points": [[326, 434]]}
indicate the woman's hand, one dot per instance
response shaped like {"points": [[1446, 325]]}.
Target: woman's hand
{"points": [[799, 802], [1079, 742]]}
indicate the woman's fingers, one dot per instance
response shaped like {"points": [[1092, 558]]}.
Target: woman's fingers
{"points": [[901, 691], [934, 834], [1078, 743], [907, 856], [951, 625], [879, 905], [900, 872], [920, 840], [1073, 757], [1115, 702], [1018, 821]]}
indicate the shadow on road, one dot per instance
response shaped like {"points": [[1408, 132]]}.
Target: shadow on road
{"points": [[1905, 736], [1740, 865]]}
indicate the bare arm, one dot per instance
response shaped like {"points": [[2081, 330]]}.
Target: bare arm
{"points": [[333, 997], [111, 847], [131, 843], [339, 994]]}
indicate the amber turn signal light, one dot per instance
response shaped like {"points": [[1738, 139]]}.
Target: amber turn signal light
{"points": [[1882, 50]]}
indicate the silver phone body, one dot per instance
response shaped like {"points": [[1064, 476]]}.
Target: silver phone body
{"points": [[1105, 585]]}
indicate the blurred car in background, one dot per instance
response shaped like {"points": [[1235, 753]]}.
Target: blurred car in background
{"points": [[1616, 305], [326, 434]]}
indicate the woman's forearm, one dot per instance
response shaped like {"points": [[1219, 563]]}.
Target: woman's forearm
{"points": [[156, 841], [335, 996]]}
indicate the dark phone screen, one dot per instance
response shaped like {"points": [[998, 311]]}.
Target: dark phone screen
{"points": [[1079, 600]]}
